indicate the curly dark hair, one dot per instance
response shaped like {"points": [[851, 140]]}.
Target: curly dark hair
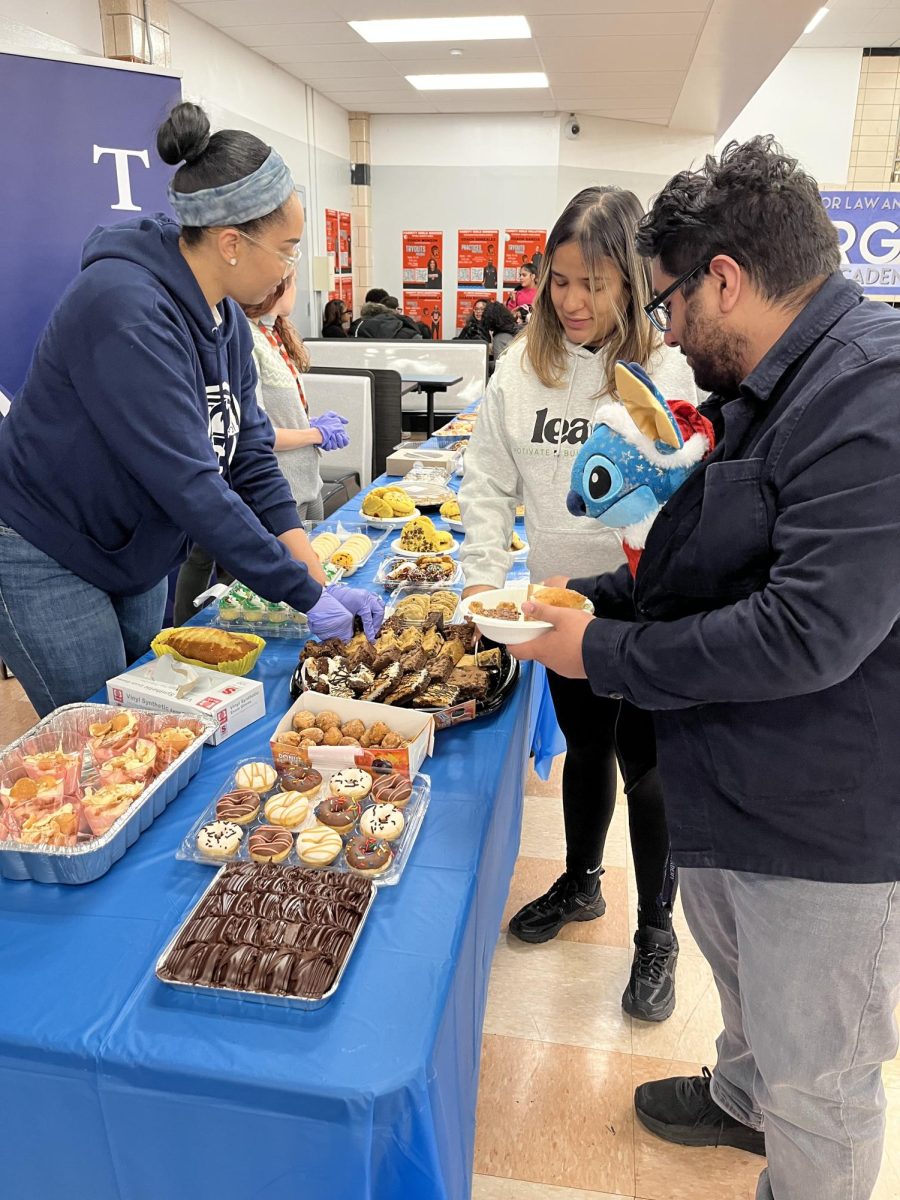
{"points": [[498, 319], [755, 204]]}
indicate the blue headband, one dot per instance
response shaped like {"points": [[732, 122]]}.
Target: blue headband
{"points": [[254, 196]]}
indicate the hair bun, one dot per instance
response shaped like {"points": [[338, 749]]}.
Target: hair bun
{"points": [[184, 135]]}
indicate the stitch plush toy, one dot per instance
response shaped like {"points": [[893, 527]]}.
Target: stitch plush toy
{"points": [[640, 452]]}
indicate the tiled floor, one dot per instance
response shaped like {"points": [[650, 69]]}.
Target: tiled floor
{"points": [[561, 1059]]}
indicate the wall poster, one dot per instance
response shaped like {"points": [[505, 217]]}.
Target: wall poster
{"points": [[476, 260], [427, 307], [423, 258], [521, 246], [466, 300], [345, 244], [331, 239]]}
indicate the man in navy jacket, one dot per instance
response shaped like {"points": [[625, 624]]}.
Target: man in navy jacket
{"points": [[762, 630]]}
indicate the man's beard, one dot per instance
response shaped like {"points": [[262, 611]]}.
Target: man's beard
{"points": [[715, 356]]}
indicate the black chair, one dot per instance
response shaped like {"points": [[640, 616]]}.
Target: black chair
{"points": [[387, 410]]}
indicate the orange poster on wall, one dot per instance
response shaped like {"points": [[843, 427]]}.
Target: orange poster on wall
{"points": [[427, 307], [521, 246], [345, 243], [466, 301], [423, 258], [331, 237], [346, 292], [476, 258]]}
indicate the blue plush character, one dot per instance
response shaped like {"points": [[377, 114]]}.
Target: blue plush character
{"points": [[641, 450]]}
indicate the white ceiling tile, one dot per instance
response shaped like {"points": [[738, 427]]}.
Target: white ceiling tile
{"points": [[351, 53], [638, 54], [309, 33], [621, 24], [247, 12], [516, 49]]}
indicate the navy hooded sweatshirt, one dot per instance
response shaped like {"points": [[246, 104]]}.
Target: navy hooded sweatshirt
{"points": [[138, 425]]}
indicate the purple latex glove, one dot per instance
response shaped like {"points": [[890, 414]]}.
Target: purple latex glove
{"points": [[329, 618], [368, 607], [331, 426]]}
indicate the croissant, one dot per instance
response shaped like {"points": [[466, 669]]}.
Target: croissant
{"points": [[208, 645]]}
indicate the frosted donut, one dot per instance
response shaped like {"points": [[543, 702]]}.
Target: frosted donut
{"points": [[258, 777], [382, 821], [288, 809], [351, 782], [319, 845], [219, 839]]}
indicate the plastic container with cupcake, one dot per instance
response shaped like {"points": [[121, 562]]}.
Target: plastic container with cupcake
{"points": [[341, 819], [239, 610]]}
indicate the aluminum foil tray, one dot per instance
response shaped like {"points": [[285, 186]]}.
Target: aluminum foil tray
{"points": [[86, 861]]}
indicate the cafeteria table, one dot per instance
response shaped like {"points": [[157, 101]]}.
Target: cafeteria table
{"points": [[430, 385], [114, 1086]]}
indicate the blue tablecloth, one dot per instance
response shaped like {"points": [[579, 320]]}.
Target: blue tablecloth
{"points": [[116, 1087]]}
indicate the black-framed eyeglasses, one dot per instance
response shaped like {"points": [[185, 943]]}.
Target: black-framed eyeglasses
{"points": [[658, 310]]}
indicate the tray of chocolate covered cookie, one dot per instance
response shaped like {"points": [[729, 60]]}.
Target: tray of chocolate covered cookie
{"points": [[445, 669], [271, 934]]}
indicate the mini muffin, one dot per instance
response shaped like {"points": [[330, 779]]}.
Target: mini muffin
{"points": [[319, 846], [311, 737], [338, 812], [325, 720], [302, 779], [368, 856], [270, 844], [391, 741], [351, 782], [353, 729], [382, 821], [241, 807], [332, 736], [256, 777], [288, 809], [220, 839], [303, 719], [348, 741]]}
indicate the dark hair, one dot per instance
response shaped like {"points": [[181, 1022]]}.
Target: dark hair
{"points": [[376, 296], [498, 319], [333, 313], [210, 160], [391, 302], [755, 204], [290, 338], [529, 266]]}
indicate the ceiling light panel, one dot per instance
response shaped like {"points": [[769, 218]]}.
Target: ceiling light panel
{"points": [[443, 29]]}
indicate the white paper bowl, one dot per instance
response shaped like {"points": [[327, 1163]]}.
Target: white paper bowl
{"points": [[510, 633]]}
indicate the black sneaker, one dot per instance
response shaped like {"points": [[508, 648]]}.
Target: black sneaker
{"points": [[682, 1110], [650, 995], [543, 918]]}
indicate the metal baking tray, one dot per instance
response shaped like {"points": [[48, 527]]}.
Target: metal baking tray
{"points": [[88, 860], [300, 1002]]}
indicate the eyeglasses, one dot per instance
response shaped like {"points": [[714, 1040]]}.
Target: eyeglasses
{"points": [[290, 260], [658, 309]]}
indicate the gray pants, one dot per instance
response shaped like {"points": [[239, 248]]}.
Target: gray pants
{"points": [[808, 977]]}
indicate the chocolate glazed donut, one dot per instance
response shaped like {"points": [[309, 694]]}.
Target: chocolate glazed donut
{"points": [[368, 855], [270, 844], [392, 789]]}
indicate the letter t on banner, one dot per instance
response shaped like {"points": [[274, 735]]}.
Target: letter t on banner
{"points": [[123, 179]]}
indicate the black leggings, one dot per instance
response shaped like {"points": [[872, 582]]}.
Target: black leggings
{"points": [[600, 732]]}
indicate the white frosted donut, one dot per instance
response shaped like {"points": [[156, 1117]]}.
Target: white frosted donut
{"points": [[257, 777], [219, 839], [382, 821], [351, 782], [289, 809], [319, 845]]}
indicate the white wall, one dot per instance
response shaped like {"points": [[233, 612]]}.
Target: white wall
{"points": [[72, 25], [808, 102], [501, 171]]}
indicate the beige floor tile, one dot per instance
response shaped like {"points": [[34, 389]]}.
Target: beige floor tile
{"points": [[556, 1115], [667, 1172], [16, 713], [488, 1187], [691, 1031], [535, 786], [562, 992], [533, 876]]}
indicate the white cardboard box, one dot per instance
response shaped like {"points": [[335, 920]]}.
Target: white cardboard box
{"points": [[232, 701], [416, 726], [401, 462]]}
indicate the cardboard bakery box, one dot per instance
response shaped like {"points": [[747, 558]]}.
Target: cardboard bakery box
{"points": [[415, 726], [401, 462], [233, 701]]}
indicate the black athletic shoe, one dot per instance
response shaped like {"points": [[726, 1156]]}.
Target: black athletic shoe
{"points": [[543, 918], [650, 995], [682, 1110]]}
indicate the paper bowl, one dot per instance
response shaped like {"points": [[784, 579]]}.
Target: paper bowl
{"points": [[510, 633], [242, 666]]}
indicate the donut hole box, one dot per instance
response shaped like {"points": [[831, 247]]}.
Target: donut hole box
{"points": [[416, 727]]}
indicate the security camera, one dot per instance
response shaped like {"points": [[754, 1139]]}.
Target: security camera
{"points": [[572, 127]]}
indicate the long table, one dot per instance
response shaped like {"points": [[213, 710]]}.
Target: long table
{"points": [[116, 1087]]}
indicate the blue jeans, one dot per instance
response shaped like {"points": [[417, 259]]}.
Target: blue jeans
{"points": [[61, 636]]}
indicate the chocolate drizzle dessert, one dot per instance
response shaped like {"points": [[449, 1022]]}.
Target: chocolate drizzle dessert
{"points": [[283, 931]]}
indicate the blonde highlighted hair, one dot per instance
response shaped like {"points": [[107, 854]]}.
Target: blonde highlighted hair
{"points": [[603, 221]]}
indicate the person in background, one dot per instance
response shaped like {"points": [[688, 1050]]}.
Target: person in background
{"points": [[526, 289], [522, 314], [379, 321], [473, 330], [145, 374], [435, 323], [373, 296], [501, 325], [335, 319], [280, 356], [434, 273], [392, 303], [536, 414], [762, 630]]}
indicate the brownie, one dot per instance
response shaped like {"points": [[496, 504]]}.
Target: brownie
{"points": [[408, 687]]}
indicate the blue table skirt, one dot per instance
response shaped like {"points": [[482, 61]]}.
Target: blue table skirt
{"points": [[116, 1087]]}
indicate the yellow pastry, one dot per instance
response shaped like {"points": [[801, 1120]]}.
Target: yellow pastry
{"points": [[444, 540], [450, 510], [325, 545], [419, 535]]}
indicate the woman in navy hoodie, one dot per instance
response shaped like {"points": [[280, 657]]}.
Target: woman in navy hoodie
{"points": [[137, 429]]}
